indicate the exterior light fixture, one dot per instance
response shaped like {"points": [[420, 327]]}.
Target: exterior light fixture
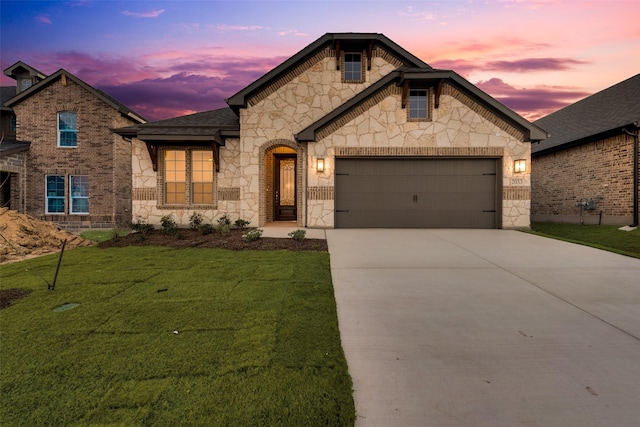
{"points": [[520, 166], [320, 165]]}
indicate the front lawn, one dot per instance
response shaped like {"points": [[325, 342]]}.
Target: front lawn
{"points": [[173, 337], [607, 237]]}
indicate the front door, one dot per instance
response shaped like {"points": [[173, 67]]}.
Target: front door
{"points": [[285, 188]]}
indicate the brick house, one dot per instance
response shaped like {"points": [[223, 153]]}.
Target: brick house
{"points": [[77, 173], [13, 153], [587, 170], [352, 131]]}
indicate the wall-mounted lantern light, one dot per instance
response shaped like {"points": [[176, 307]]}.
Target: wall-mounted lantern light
{"points": [[520, 166], [320, 165]]}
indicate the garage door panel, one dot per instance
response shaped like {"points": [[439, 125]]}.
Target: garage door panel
{"points": [[416, 193]]}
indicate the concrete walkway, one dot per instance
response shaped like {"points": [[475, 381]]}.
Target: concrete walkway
{"points": [[283, 228], [487, 328]]}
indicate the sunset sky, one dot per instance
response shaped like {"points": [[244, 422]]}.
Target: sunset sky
{"points": [[169, 58]]}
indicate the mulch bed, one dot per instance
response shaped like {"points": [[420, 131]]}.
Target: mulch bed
{"points": [[187, 238]]}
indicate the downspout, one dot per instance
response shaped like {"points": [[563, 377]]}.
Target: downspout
{"points": [[635, 173]]}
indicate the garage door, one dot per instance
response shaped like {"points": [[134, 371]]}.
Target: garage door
{"points": [[416, 193]]}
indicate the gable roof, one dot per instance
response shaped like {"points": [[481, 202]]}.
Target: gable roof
{"points": [[531, 131], [14, 70], [60, 74], [203, 126], [594, 117], [239, 100]]}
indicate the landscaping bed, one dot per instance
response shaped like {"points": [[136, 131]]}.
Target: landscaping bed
{"points": [[232, 240]]}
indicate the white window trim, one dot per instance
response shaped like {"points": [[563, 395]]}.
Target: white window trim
{"points": [[46, 195], [74, 130], [72, 197]]}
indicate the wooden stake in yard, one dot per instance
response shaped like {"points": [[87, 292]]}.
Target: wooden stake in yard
{"points": [[55, 278]]}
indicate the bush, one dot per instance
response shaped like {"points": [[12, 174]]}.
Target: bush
{"points": [[168, 225], [224, 219], [141, 226], [298, 235], [195, 221], [241, 223], [252, 235], [206, 229], [223, 228]]}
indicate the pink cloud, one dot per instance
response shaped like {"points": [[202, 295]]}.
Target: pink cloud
{"points": [[532, 103], [44, 19], [148, 14], [533, 64]]}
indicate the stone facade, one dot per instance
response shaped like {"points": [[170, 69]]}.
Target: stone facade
{"points": [[599, 171], [274, 114], [101, 155]]}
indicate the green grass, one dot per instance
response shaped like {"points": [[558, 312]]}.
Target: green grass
{"points": [[606, 237], [103, 235], [257, 342]]}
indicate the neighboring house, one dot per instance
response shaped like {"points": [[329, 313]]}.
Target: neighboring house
{"points": [[352, 131], [587, 170], [76, 172], [13, 154]]}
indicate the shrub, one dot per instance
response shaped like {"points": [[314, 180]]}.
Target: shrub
{"points": [[223, 228], [224, 219], [168, 225], [195, 221], [141, 226], [241, 223], [252, 235], [206, 229], [298, 235]]}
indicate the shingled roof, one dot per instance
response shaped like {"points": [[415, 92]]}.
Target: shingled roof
{"points": [[199, 126], [594, 117]]}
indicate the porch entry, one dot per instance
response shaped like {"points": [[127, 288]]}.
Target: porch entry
{"points": [[284, 185]]}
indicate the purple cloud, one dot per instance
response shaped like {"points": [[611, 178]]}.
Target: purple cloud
{"points": [[532, 103], [148, 14], [533, 64], [44, 19]]}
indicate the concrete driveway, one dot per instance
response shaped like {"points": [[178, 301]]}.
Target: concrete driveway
{"points": [[487, 328]]}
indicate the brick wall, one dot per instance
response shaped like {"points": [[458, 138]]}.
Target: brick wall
{"points": [[601, 171], [100, 154], [14, 168]]}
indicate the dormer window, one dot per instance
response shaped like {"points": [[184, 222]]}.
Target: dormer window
{"points": [[24, 84]]}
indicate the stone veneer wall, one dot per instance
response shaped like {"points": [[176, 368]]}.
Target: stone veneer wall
{"points": [[100, 154], [458, 128], [147, 187], [601, 171], [274, 116]]}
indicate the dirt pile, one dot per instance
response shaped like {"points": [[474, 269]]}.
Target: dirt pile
{"points": [[23, 236]]}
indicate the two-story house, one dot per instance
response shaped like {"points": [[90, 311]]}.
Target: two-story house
{"points": [[76, 172], [352, 131]]}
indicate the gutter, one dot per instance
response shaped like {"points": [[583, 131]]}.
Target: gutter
{"points": [[635, 171]]}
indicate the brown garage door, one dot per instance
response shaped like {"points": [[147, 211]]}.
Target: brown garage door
{"points": [[416, 193]]}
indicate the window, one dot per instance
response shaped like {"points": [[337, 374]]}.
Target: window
{"points": [[67, 129], [418, 104], [25, 84], [201, 177], [55, 194], [12, 121], [188, 177], [79, 194], [175, 173], [353, 67]]}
